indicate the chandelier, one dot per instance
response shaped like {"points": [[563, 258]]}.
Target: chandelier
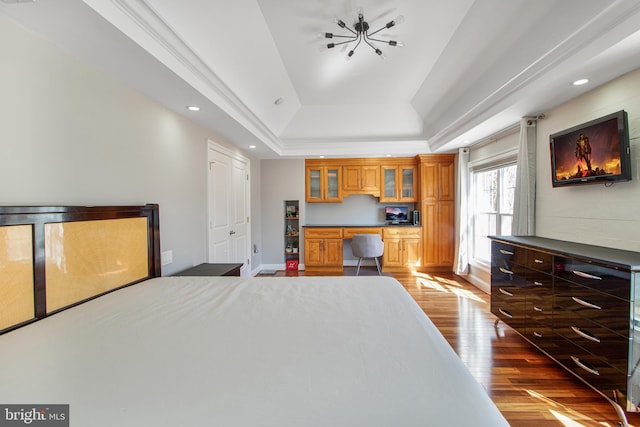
{"points": [[360, 33]]}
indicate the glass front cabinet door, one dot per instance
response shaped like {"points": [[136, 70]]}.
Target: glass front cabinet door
{"points": [[398, 183], [324, 184]]}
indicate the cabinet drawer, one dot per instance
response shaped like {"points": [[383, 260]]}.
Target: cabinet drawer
{"points": [[596, 339], [349, 232], [401, 232], [600, 375], [601, 278], [323, 233], [590, 304]]}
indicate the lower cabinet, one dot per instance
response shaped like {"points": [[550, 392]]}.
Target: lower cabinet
{"points": [[576, 303], [402, 248], [323, 250]]}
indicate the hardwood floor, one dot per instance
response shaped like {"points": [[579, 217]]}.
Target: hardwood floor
{"points": [[528, 387]]}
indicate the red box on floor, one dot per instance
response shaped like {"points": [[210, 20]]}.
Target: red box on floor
{"points": [[292, 264]]}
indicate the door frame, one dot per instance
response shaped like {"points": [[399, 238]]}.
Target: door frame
{"points": [[214, 146]]}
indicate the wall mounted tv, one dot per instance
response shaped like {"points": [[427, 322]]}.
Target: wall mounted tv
{"points": [[396, 214], [593, 152]]}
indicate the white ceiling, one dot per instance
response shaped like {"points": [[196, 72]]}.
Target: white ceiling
{"points": [[469, 68]]}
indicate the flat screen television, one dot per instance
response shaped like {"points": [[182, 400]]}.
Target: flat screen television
{"points": [[396, 214], [593, 152]]}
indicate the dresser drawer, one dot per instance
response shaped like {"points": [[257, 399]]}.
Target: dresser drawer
{"points": [[323, 233], [601, 278], [609, 380], [508, 305], [596, 339], [540, 261], [604, 309], [541, 335]]}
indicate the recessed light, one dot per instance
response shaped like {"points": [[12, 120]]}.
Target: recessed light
{"points": [[193, 108], [252, 146], [322, 157], [581, 82]]}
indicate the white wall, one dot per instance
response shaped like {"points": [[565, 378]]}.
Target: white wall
{"points": [[70, 135], [594, 214], [280, 180]]}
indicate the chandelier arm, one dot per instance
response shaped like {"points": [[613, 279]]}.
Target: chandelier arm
{"points": [[357, 44], [345, 37], [347, 28], [377, 31], [378, 40], [345, 42], [366, 40]]}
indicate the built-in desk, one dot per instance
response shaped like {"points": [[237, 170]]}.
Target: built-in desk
{"points": [[323, 246]]}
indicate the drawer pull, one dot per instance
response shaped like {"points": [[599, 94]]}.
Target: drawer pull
{"points": [[537, 334], [505, 252], [504, 270], [585, 366], [506, 313], [586, 304], [586, 275], [537, 283], [538, 309], [503, 292], [538, 261], [585, 335]]}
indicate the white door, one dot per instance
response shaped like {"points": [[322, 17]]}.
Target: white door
{"points": [[229, 232]]}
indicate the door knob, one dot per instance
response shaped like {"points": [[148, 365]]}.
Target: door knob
{"points": [[231, 233]]}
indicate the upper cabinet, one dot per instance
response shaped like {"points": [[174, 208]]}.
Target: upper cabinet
{"points": [[390, 179], [360, 176], [398, 182], [323, 183]]}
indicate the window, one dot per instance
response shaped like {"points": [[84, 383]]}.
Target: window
{"points": [[493, 192]]}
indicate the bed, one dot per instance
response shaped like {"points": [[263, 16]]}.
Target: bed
{"points": [[224, 351]]}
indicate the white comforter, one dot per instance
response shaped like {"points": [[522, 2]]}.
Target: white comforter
{"points": [[203, 351]]}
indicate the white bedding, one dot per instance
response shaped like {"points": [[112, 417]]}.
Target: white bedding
{"points": [[231, 351]]}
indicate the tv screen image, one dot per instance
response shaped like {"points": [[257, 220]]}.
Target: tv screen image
{"points": [[396, 214], [596, 151]]}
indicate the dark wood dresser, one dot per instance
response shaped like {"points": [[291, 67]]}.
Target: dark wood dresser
{"points": [[578, 304], [212, 270]]}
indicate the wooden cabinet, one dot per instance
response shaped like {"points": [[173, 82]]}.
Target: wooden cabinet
{"points": [[575, 302], [361, 179], [437, 206], [390, 179], [398, 182], [323, 183], [323, 250], [402, 248]]}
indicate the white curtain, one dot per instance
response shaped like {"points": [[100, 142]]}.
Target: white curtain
{"points": [[461, 266], [525, 191]]}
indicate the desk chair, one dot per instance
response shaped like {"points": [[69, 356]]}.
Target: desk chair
{"points": [[367, 246]]}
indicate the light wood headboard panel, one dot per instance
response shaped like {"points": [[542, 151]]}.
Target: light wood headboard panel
{"points": [[54, 257], [89, 258], [16, 273]]}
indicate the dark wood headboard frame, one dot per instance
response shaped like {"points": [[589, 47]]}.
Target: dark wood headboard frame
{"points": [[38, 216]]}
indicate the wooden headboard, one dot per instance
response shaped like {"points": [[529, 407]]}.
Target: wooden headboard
{"points": [[55, 257]]}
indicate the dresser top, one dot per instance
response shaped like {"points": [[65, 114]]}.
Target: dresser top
{"points": [[625, 259]]}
